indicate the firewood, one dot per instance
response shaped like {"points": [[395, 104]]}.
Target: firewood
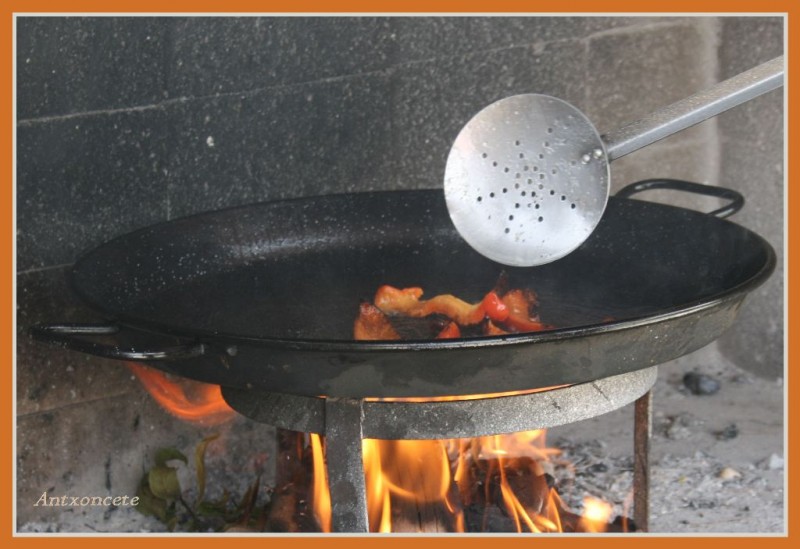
{"points": [[424, 512], [282, 510], [291, 480]]}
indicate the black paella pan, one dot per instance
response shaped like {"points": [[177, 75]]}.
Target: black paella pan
{"points": [[264, 296]]}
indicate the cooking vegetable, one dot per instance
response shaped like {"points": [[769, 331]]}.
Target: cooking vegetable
{"points": [[406, 301], [372, 324], [500, 312], [450, 331]]}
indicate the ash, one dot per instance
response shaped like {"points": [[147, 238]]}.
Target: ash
{"points": [[697, 493], [716, 460]]}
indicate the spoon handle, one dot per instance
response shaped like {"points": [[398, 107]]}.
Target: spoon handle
{"points": [[694, 109]]}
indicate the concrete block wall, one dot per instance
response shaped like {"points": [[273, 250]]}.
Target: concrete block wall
{"points": [[123, 122], [752, 161]]}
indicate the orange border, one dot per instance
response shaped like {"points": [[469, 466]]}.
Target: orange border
{"points": [[411, 6], [168, 6]]}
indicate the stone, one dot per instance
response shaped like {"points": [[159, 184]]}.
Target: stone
{"points": [[729, 473], [701, 384], [728, 433]]}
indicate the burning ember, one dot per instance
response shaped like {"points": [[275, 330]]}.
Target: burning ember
{"points": [[484, 484]]}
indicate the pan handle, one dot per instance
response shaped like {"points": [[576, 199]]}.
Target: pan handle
{"points": [[736, 200], [68, 336]]}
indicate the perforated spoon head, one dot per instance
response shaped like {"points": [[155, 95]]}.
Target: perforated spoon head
{"points": [[527, 180]]}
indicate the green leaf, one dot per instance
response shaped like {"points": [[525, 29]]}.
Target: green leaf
{"points": [[211, 509], [163, 455], [163, 482], [200, 466], [149, 504], [250, 496]]}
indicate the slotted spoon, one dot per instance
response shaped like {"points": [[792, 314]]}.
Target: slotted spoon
{"points": [[527, 179]]}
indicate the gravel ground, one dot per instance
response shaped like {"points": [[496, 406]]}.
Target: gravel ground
{"points": [[717, 460]]}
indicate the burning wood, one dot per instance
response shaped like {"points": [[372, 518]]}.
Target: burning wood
{"points": [[289, 508], [420, 486]]}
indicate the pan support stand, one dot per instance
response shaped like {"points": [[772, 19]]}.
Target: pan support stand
{"points": [[642, 431], [344, 459], [345, 422], [344, 418]]}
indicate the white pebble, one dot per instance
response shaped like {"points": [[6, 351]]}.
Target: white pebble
{"points": [[775, 462], [729, 473]]}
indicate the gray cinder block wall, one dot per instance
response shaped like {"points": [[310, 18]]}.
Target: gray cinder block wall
{"points": [[124, 122], [752, 161]]}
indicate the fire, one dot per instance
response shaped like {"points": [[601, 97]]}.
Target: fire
{"points": [[596, 513], [416, 471], [440, 478], [188, 400], [321, 494]]}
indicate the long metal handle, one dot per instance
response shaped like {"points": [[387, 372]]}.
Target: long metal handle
{"points": [[693, 110]]}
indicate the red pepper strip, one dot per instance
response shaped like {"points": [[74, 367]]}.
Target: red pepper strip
{"points": [[450, 331], [494, 307], [520, 303], [392, 300], [490, 328], [371, 324]]}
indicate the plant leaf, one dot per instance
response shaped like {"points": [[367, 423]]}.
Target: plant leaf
{"points": [[163, 482], [249, 500], [149, 504], [163, 455], [211, 509], [200, 466]]}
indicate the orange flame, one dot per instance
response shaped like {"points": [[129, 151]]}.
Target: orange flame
{"points": [[321, 495], [407, 475], [189, 400], [406, 470], [379, 503], [423, 472], [596, 513]]}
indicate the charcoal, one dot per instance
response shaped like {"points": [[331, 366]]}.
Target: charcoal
{"points": [[483, 518], [622, 524]]}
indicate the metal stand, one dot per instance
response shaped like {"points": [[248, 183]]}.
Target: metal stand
{"points": [[642, 430], [345, 422]]}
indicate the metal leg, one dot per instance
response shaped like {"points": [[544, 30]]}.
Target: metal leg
{"points": [[343, 435], [642, 429]]}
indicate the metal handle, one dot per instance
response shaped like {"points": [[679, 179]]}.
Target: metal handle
{"points": [[64, 335], [736, 200], [693, 110]]}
